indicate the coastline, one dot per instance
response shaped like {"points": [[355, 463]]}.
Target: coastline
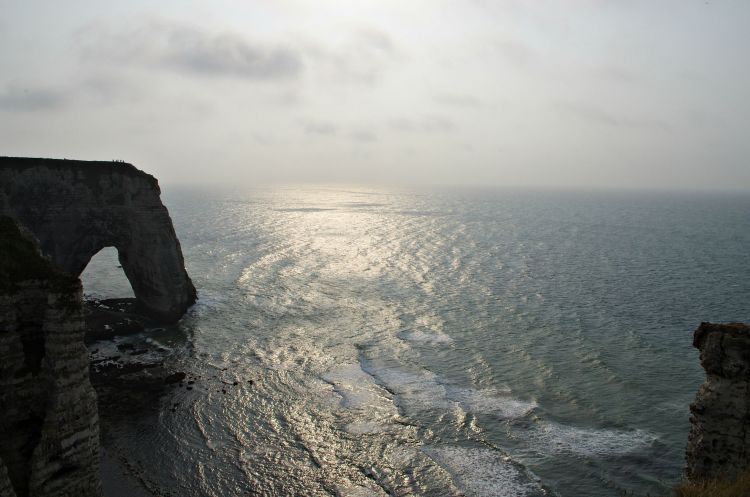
{"points": [[127, 371]]}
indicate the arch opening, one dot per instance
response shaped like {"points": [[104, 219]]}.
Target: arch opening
{"points": [[104, 278]]}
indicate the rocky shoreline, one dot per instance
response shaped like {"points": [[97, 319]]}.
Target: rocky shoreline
{"points": [[128, 372], [70, 371], [73, 372], [129, 369], [126, 361]]}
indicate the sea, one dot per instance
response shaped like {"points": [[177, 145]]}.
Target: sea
{"points": [[357, 341]]}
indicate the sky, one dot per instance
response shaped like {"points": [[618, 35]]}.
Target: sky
{"points": [[535, 93]]}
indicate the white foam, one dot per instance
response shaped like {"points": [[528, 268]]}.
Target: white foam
{"points": [[425, 391], [157, 343], [419, 390], [491, 401], [215, 444], [359, 392], [483, 472], [357, 388], [553, 437]]}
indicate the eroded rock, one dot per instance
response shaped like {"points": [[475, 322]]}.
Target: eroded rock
{"points": [[76, 208], [719, 439], [49, 427]]}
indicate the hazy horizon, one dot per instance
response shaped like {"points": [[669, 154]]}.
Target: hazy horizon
{"points": [[582, 94]]}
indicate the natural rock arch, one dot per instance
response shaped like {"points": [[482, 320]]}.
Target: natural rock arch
{"points": [[104, 278], [76, 208]]}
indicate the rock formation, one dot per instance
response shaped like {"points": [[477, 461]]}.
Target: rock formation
{"points": [[76, 208], [719, 440], [49, 429]]}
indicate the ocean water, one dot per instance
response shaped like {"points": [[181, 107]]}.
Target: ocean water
{"points": [[438, 343]]}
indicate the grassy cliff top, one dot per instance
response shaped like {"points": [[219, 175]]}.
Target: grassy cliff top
{"points": [[86, 166]]}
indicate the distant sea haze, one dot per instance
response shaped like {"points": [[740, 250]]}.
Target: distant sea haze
{"points": [[437, 343]]}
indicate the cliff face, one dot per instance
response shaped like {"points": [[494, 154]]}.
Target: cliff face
{"points": [[76, 208], [49, 424], [719, 440]]}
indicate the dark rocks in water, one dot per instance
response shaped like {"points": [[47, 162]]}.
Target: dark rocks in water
{"points": [[131, 385], [175, 377], [49, 427], [126, 389], [109, 318], [719, 439], [76, 208]]}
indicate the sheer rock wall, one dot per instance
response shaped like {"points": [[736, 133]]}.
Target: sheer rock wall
{"points": [[719, 439], [76, 208], [49, 425]]}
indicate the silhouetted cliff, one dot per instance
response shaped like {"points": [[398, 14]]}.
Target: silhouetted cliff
{"points": [[719, 440], [48, 424], [76, 208]]}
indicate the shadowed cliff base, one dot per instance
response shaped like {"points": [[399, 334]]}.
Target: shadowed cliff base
{"points": [[76, 208]]}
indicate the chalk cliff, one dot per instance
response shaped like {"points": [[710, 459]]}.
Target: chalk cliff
{"points": [[76, 208], [719, 439], [49, 428]]}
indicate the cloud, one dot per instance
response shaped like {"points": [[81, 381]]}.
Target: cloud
{"points": [[457, 100], [362, 58], [18, 99], [170, 45], [228, 54], [603, 117], [376, 40], [319, 127], [614, 74], [361, 55], [517, 53], [363, 135], [703, 118], [427, 124]]}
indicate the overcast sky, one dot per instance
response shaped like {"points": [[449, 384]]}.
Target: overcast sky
{"points": [[569, 93]]}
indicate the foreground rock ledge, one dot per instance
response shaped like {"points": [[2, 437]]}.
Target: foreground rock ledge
{"points": [[49, 427], [76, 208], [719, 440]]}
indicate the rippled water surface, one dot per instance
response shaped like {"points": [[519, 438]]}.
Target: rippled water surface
{"points": [[483, 343]]}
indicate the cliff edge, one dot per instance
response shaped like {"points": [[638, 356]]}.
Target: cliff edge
{"points": [[49, 426], [719, 439], [76, 208]]}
